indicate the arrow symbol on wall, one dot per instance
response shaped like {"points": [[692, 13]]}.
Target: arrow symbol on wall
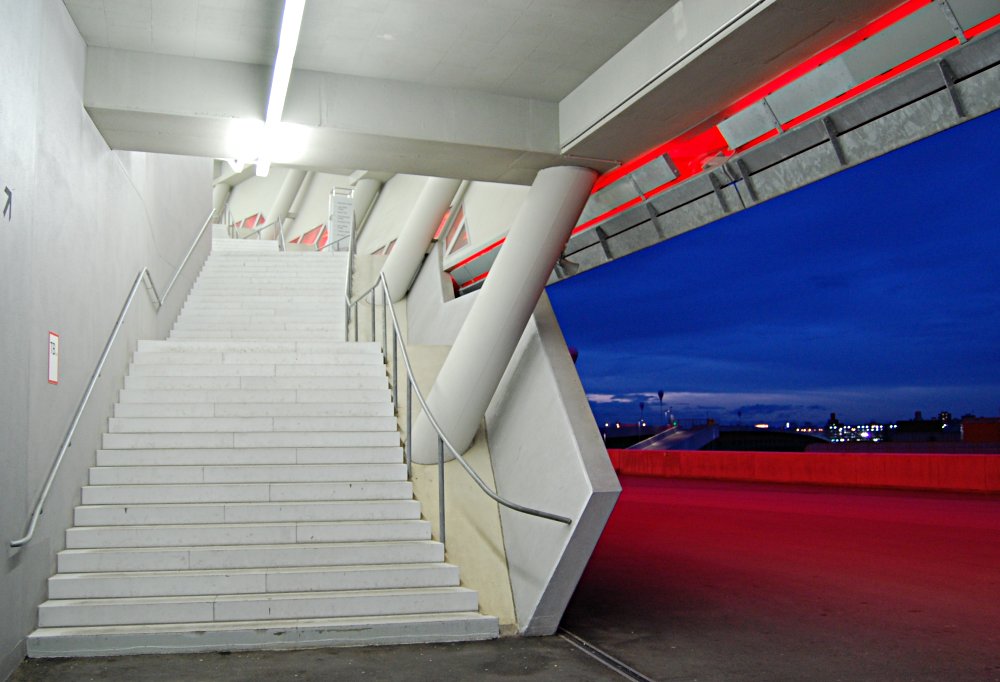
{"points": [[8, 209]]}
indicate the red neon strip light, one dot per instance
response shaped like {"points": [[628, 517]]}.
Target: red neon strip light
{"points": [[983, 27], [689, 151], [475, 279], [774, 132], [874, 82], [883, 22], [437, 232], [832, 52], [476, 255], [604, 216]]}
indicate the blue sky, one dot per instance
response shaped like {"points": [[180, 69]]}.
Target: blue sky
{"points": [[872, 293]]}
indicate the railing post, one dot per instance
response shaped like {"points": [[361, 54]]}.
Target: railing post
{"points": [[441, 487], [373, 315], [409, 426], [357, 320], [385, 345], [395, 373]]}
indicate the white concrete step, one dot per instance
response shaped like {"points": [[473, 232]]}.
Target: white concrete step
{"points": [[250, 334], [379, 409], [255, 439], [246, 492], [250, 581], [268, 281], [268, 634], [246, 512], [249, 424], [234, 456], [255, 383], [241, 310], [182, 535], [219, 608], [257, 369], [245, 245], [331, 346], [225, 310], [258, 326], [251, 556], [250, 396], [246, 473], [255, 357], [302, 296]]}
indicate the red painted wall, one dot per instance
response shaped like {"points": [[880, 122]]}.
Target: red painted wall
{"points": [[978, 473]]}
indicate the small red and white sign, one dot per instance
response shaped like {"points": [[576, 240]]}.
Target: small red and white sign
{"points": [[53, 358]]}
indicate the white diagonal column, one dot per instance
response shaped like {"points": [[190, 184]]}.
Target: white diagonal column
{"points": [[489, 335], [286, 195], [402, 264]]}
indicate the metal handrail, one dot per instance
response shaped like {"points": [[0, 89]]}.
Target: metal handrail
{"points": [[68, 438], [335, 241], [443, 441], [256, 231]]}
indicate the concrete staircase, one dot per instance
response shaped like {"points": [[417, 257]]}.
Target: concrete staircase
{"points": [[251, 490]]}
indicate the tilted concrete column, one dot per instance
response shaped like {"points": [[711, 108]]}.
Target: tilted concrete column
{"points": [[365, 191], [220, 195], [288, 226], [485, 344], [402, 264], [286, 195]]}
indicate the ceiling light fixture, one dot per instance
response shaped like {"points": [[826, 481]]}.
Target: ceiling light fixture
{"points": [[288, 40]]}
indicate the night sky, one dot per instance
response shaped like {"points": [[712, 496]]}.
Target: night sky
{"points": [[872, 294]]}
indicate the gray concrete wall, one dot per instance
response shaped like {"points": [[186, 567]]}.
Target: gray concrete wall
{"points": [[85, 220]]}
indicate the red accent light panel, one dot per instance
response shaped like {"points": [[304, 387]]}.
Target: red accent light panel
{"points": [[476, 255]]}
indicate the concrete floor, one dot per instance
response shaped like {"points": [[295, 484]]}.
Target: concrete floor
{"points": [[701, 581]]}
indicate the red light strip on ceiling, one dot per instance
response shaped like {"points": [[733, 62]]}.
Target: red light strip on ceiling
{"points": [[874, 82], [689, 150], [983, 27], [440, 227], [476, 255], [880, 24], [477, 278]]}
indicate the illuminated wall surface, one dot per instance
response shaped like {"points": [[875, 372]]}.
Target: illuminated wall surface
{"points": [[872, 293]]}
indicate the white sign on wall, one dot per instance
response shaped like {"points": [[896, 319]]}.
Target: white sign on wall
{"points": [[53, 358], [343, 216]]}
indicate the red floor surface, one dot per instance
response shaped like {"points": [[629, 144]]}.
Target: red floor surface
{"points": [[697, 580]]}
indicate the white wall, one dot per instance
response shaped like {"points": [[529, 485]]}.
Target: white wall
{"points": [[391, 211], [256, 195], [490, 209], [85, 221]]}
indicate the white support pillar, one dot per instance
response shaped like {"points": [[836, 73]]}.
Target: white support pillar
{"points": [[365, 191], [402, 264], [286, 195], [220, 195], [485, 344], [288, 226]]}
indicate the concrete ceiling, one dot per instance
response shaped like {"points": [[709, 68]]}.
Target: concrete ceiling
{"points": [[479, 89], [525, 48]]}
